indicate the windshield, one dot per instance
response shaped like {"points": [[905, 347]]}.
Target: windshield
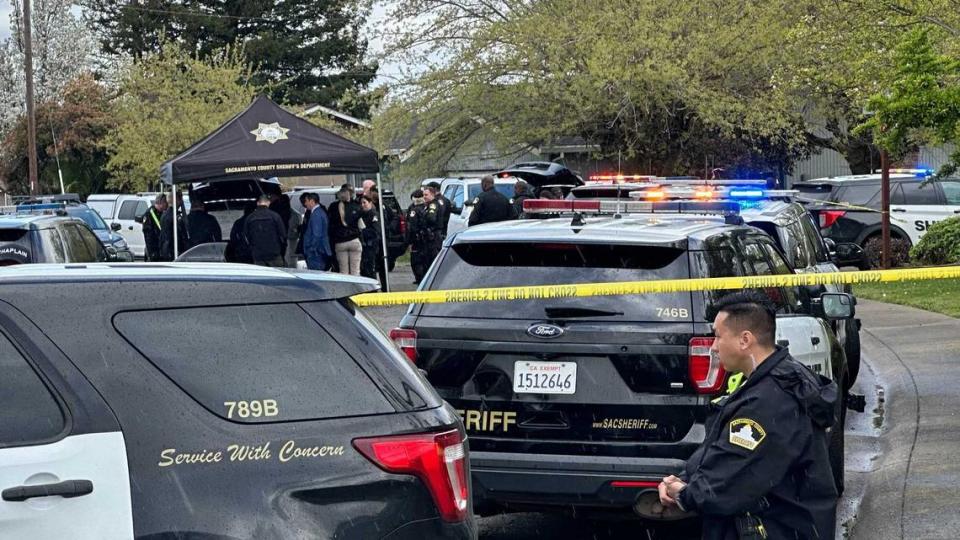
{"points": [[505, 189], [91, 218]]}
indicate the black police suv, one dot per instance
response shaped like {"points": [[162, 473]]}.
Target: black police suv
{"points": [[215, 402], [48, 238], [586, 403], [848, 209]]}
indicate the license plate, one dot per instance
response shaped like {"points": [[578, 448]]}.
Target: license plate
{"points": [[544, 377]]}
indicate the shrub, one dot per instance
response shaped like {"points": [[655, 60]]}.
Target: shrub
{"points": [[941, 244]]}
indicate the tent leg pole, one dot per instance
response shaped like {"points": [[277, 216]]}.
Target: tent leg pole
{"points": [[176, 237], [383, 236]]}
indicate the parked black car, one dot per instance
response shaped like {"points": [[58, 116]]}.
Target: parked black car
{"points": [[584, 404], [216, 402], [49, 238]]}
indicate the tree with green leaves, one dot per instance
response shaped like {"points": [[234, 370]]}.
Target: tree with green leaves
{"points": [[168, 101], [920, 102], [663, 83], [71, 128], [301, 51]]}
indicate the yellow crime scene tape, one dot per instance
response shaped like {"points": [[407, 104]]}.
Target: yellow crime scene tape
{"points": [[540, 292]]}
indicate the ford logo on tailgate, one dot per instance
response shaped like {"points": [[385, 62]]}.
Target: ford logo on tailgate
{"points": [[545, 331]]}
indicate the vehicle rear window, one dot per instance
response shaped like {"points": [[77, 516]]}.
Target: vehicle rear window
{"points": [[819, 192], [256, 363], [860, 194], [500, 264], [505, 189]]}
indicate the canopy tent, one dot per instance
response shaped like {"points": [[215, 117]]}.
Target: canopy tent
{"points": [[264, 140]]}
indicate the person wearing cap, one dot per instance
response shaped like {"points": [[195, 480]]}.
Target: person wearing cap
{"points": [[415, 217], [152, 228], [266, 233], [763, 469]]}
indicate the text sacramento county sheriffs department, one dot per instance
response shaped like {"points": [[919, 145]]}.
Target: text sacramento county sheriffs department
{"points": [[277, 167]]}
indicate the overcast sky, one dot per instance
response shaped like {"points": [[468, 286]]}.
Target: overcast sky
{"points": [[5, 9], [374, 22]]}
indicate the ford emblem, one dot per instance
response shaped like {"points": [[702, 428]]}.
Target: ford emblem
{"points": [[545, 331]]}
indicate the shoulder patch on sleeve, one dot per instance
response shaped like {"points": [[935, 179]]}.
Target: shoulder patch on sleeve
{"points": [[746, 433]]}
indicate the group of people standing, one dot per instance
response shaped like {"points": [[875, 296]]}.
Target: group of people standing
{"points": [[345, 237], [197, 228]]}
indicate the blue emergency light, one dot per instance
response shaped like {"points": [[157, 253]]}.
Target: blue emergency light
{"points": [[747, 193]]}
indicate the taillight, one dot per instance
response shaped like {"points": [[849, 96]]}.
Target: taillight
{"points": [[437, 459], [829, 217], [406, 339], [706, 371], [403, 224]]}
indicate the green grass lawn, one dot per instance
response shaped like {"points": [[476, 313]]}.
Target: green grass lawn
{"points": [[938, 295]]}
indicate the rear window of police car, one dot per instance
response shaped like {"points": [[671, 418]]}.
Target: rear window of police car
{"points": [[256, 363], [505, 264]]}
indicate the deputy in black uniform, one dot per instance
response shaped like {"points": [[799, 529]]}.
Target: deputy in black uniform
{"points": [[152, 237], [763, 469], [166, 231], [202, 228], [432, 232], [266, 233], [445, 205], [415, 235], [490, 206]]}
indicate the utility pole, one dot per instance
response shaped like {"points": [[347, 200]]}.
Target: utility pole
{"points": [[885, 206], [31, 117]]}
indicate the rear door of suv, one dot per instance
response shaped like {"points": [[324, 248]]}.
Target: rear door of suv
{"points": [[598, 375]]}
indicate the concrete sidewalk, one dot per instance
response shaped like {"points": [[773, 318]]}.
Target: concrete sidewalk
{"points": [[912, 489]]}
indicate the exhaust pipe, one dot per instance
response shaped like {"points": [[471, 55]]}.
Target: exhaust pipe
{"points": [[647, 505]]}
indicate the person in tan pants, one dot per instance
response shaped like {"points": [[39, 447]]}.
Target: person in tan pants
{"points": [[344, 217]]}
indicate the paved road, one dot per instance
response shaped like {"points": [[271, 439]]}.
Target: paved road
{"points": [[912, 490], [863, 447]]}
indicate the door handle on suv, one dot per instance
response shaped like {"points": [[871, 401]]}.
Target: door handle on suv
{"points": [[898, 209], [66, 489]]}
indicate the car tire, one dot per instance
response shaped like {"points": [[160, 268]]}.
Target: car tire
{"points": [[835, 450]]}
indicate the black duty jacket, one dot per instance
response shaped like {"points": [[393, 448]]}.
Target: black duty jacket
{"points": [[151, 234], [202, 228], [266, 234], [765, 453], [489, 207]]}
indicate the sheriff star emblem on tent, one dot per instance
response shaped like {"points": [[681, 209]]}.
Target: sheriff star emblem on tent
{"points": [[270, 132]]}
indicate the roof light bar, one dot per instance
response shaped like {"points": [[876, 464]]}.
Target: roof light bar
{"points": [[622, 178], [540, 206]]}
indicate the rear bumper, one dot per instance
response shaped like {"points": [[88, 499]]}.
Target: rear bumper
{"points": [[430, 529], [551, 481]]}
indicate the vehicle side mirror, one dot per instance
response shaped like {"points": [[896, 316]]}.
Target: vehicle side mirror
{"points": [[467, 203], [116, 226], [456, 210], [138, 219], [112, 254], [836, 306], [831, 247]]}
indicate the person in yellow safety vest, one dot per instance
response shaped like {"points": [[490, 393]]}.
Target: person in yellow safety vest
{"points": [[152, 228]]}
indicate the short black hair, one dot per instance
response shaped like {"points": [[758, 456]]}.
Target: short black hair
{"points": [[753, 311], [312, 196], [434, 185]]}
